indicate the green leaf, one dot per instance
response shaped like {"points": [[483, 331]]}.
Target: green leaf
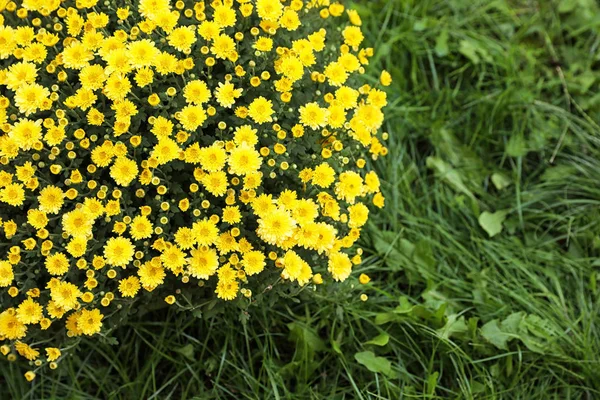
{"points": [[472, 51], [385, 243], [336, 346], [500, 180], [540, 333], [449, 174], [492, 222], [460, 156], [586, 80], [405, 306], [536, 333], [558, 173], [374, 363], [566, 6], [432, 381], [384, 318], [516, 146], [453, 326], [420, 26], [187, 351], [423, 254], [305, 336], [494, 334], [512, 323], [380, 340], [467, 49], [441, 44]]}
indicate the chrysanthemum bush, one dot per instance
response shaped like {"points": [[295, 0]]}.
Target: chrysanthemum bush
{"points": [[177, 153]]}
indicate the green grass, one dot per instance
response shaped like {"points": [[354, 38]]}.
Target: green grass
{"points": [[494, 107]]}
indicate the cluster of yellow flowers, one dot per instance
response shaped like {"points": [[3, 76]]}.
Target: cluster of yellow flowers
{"points": [[164, 149]]}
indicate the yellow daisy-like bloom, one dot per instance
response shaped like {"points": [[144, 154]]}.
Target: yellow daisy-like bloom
{"points": [[71, 324], [117, 87], [244, 160], [352, 36], [51, 199], [203, 263], [182, 38], [223, 47], [232, 215], [52, 353], [65, 295], [206, 232], [226, 140], [21, 73], [173, 258], [77, 223], [269, 10], [77, 246], [13, 194], [90, 321], [323, 175], [144, 77], [215, 183], [57, 264], [10, 326], [227, 290], [213, 158], [196, 92], [94, 207], [76, 56], [313, 116], [118, 251], [29, 312], [224, 16], [385, 78], [290, 20], [276, 226], [336, 74], [263, 44], [185, 238], [192, 117], [263, 204], [292, 68], [6, 273], [166, 150], [359, 213], [129, 286], [245, 134], [26, 351], [151, 274], [253, 262], [350, 186], [336, 116], [55, 135], [26, 133], [226, 94], [31, 97], [102, 155], [304, 211], [339, 266], [140, 228], [261, 110], [29, 376], [92, 77], [124, 171], [142, 53]]}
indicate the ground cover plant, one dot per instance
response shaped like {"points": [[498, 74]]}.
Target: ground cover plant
{"points": [[482, 262], [202, 182]]}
